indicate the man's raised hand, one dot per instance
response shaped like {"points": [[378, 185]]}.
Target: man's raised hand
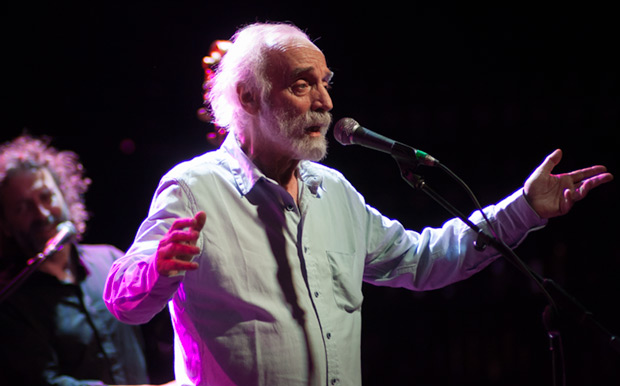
{"points": [[178, 246]]}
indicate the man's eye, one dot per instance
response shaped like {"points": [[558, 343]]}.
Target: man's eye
{"points": [[300, 87], [46, 197]]}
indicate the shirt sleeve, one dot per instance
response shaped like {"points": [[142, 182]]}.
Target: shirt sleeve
{"points": [[437, 257], [135, 292]]}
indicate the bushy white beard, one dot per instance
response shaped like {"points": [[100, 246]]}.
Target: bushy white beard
{"points": [[288, 132]]}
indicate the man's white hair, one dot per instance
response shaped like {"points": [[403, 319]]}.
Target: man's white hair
{"points": [[245, 64]]}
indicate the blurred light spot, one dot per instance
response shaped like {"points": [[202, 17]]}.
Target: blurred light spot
{"points": [[127, 146]]}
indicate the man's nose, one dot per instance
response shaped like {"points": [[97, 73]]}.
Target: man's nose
{"points": [[43, 212], [322, 101]]}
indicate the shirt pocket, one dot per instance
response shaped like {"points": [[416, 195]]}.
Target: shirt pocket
{"points": [[346, 280]]}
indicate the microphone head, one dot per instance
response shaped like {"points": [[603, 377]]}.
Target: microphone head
{"points": [[343, 130], [65, 231], [67, 227]]}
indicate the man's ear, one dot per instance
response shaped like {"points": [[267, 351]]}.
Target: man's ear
{"points": [[248, 98]]}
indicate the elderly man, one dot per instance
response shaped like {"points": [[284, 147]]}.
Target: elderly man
{"points": [[260, 252]]}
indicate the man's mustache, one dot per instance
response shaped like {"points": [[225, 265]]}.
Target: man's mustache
{"points": [[316, 118]]}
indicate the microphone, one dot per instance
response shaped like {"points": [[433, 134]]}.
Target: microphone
{"points": [[348, 132], [65, 232]]}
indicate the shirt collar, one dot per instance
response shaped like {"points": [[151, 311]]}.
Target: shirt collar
{"points": [[246, 174]]}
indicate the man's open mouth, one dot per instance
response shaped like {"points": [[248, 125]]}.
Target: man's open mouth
{"points": [[313, 129]]}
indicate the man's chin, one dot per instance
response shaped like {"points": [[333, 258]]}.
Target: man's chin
{"points": [[36, 244], [30, 250], [315, 153]]}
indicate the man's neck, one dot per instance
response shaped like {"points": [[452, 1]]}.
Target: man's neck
{"points": [[279, 167], [59, 265]]}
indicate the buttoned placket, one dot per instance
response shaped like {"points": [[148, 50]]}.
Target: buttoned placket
{"points": [[296, 214], [314, 287], [294, 224]]}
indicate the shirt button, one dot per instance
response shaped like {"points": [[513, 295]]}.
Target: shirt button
{"points": [[316, 294], [290, 207], [329, 335], [335, 381]]}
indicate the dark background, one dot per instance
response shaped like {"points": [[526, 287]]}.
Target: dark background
{"points": [[488, 90]]}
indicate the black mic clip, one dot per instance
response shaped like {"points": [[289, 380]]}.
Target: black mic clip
{"points": [[414, 157], [406, 154], [405, 157], [482, 241]]}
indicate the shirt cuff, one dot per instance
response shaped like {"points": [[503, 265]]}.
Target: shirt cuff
{"points": [[523, 210], [166, 285], [518, 217]]}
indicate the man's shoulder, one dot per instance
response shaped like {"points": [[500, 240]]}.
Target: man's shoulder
{"points": [[327, 178], [203, 164], [319, 169], [326, 174], [98, 252]]}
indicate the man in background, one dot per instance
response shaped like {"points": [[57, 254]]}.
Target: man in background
{"points": [[54, 326]]}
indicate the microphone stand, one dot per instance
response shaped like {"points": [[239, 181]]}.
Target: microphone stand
{"points": [[561, 304], [30, 267]]}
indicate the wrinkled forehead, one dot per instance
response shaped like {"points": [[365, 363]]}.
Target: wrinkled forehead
{"points": [[288, 62]]}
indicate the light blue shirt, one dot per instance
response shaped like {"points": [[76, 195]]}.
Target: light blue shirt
{"points": [[277, 297]]}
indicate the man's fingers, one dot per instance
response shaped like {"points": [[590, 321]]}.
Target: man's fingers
{"points": [[588, 184], [182, 223], [178, 246], [167, 266], [188, 236], [597, 172], [196, 223], [199, 221], [177, 250], [551, 161], [175, 257]]}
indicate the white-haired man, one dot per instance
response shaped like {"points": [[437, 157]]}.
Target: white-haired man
{"points": [[261, 252]]}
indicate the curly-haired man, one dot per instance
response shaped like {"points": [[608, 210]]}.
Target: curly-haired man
{"points": [[55, 328]]}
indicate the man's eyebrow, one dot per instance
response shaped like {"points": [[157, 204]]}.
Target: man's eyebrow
{"points": [[302, 70]]}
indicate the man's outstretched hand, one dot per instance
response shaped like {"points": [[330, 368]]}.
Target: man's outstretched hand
{"points": [[552, 195], [178, 246]]}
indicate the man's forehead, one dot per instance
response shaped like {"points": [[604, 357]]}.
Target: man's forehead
{"points": [[36, 177], [25, 183], [299, 60]]}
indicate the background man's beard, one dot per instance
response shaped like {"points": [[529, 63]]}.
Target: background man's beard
{"points": [[290, 134], [33, 241]]}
